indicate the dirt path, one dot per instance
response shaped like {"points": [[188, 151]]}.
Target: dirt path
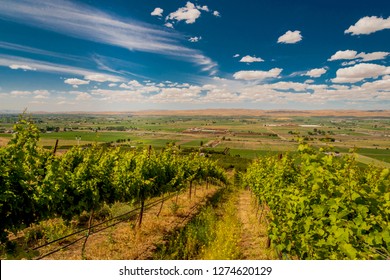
{"points": [[253, 241]]}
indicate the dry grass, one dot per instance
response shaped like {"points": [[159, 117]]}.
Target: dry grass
{"points": [[126, 241], [254, 236], [3, 141]]}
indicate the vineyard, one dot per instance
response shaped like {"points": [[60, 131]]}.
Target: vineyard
{"points": [[314, 205], [323, 207]]}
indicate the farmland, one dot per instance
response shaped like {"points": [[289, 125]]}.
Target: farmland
{"points": [[247, 136], [203, 185]]}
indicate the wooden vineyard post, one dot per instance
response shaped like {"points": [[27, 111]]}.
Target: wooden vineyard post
{"points": [[162, 203], [141, 213], [87, 236], [190, 189], [55, 148]]}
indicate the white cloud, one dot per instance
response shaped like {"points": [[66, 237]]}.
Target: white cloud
{"points": [[92, 24], [112, 85], [195, 39], [347, 55], [102, 78], [348, 63], [20, 92], [217, 14], [257, 75], [123, 85], [250, 59], [169, 25], [368, 25], [309, 81], [157, 12], [189, 14], [40, 96], [351, 55], [290, 37], [288, 86], [203, 8], [134, 83], [41, 92], [43, 66], [236, 55], [373, 56], [82, 96], [360, 72], [315, 73], [76, 82], [22, 67]]}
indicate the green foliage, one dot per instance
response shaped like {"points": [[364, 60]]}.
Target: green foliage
{"points": [[324, 207], [22, 167], [35, 185]]}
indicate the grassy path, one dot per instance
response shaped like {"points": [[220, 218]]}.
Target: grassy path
{"points": [[253, 242]]}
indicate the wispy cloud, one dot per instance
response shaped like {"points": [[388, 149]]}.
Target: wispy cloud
{"points": [[15, 63], [30, 50], [88, 23]]}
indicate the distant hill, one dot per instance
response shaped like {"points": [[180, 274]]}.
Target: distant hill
{"points": [[234, 112]]}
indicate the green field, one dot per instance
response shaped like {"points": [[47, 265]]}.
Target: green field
{"points": [[244, 136]]}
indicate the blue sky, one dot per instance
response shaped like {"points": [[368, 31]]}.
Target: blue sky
{"points": [[124, 55]]}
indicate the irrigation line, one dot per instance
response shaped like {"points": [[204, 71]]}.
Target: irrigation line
{"points": [[148, 206], [59, 249]]}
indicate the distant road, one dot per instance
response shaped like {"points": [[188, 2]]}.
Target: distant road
{"points": [[280, 136]]}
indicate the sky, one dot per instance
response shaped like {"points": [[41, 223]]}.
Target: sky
{"points": [[128, 55]]}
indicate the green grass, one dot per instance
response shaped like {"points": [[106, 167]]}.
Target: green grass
{"points": [[87, 136], [378, 154]]}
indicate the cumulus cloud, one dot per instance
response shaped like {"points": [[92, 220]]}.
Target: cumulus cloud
{"points": [[40, 96], [22, 67], [203, 8], [195, 39], [189, 14], [76, 82], [236, 55], [216, 13], [157, 12], [373, 56], [360, 72], [351, 55], [134, 83], [101, 78], [315, 73], [169, 25], [347, 55], [123, 85], [368, 25], [250, 59], [290, 37], [257, 75]]}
